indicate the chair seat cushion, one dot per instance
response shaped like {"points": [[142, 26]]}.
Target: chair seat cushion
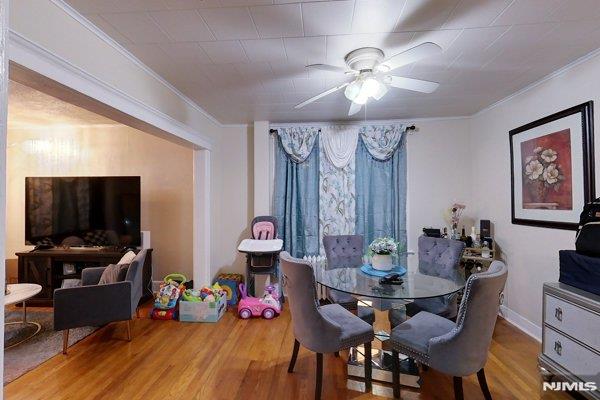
{"points": [[436, 305], [355, 331], [412, 337], [344, 299]]}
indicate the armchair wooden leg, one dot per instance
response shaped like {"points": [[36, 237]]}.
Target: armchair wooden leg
{"points": [[294, 356], [319, 383], [65, 340], [396, 373], [368, 367], [137, 312], [483, 385], [336, 354], [458, 388], [129, 330]]}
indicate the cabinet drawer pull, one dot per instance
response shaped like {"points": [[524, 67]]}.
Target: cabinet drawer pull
{"points": [[558, 313], [558, 347]]}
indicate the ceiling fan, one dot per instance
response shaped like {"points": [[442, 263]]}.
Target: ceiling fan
{"points": [[371, 74]]}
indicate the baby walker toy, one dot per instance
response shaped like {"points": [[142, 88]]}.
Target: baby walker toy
{"points": [[267, 306], [165, 304]]}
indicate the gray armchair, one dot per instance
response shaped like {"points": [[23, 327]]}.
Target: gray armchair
{"points": [[346, 251], [457, 349], [322, 329], [95, 305], [437, 257]]}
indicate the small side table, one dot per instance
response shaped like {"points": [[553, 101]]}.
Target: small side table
{"points": [[19, 293]]}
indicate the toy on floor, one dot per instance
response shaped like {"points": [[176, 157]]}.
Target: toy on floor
{"points": [[267, 306], [207, 294], [168, 294]]}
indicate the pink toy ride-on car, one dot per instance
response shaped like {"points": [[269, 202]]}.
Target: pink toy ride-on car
{"points": [[267, 306]]}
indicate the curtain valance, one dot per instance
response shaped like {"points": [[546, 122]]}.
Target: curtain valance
{"points": [[382, 141], [339, 143], [298, 142]]}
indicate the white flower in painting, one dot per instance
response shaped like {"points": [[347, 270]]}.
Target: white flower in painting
{"points": [[551, 174], [534, 169], [528, 159], [537, 150], [549, 155]]}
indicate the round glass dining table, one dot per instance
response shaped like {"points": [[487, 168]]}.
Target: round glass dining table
{"points": [[415, 285]]}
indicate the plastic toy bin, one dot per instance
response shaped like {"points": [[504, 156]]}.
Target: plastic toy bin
{"points": [[202, 311]]}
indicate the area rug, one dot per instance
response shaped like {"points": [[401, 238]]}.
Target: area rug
{"points": [[43, 346]]}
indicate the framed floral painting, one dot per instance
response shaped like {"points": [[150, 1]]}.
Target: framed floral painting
{"points": [[552, 161]]}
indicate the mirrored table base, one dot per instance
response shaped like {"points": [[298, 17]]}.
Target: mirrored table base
{"points": [[382, 372]]}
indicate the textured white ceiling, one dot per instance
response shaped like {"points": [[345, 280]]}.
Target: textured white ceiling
{"points": [[243, 60]]}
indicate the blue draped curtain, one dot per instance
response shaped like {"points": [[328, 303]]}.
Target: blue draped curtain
{"points": [[379, 175], [296, 197], [381, 194]]}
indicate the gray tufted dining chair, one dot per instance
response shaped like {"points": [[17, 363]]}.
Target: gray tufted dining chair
{"points": [[322, 329], [457, 349], [437, 257], [346, 251]]}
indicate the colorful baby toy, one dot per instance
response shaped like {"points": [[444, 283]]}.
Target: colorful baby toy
{"points": [[166, 300], [267, 306], [207, 294]]}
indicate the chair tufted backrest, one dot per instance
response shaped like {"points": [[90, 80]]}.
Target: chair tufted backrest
{"points": [[343, 250], [311, 329], [440, 257], [464, 350]]}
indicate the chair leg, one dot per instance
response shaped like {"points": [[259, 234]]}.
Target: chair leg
{"points": [[65, 340], [483, 385], [337, 354], [368, 367], [319, 383], [137, 312], [458, 388], [294, 356], [396, 373], [129, 330]]}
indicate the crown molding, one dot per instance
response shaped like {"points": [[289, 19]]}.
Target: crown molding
{"points": [[76, 15], [366, 122], [29, 54]]}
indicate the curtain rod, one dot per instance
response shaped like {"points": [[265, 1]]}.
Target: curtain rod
{"points": [[408, 128]]}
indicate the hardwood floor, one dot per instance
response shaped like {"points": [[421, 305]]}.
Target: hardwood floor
{"points": [[237, 359]]}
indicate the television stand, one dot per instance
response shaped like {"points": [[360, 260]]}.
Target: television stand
{"points": [[48, 268]]}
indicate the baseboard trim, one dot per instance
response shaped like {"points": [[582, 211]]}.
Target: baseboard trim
{"points": [[522, 323]]}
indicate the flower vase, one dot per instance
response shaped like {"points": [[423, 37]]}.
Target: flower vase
{"points": [[382, 262]]}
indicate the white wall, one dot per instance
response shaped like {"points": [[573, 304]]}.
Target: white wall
{"points": [[233, 204], [531, 253], [439, 174]]}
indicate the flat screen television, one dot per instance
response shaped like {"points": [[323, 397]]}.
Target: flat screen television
{"points": [[83, 211]]}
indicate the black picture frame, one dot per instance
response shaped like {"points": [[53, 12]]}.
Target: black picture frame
{"points": [[587, 128]]}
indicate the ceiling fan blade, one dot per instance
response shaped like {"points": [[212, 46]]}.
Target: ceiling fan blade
{"points": [[323, 94], [410, 56], [416, 85], [327, 67], [354, 108]]}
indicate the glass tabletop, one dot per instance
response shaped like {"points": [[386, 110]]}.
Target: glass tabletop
{"points": [[415, 286]]}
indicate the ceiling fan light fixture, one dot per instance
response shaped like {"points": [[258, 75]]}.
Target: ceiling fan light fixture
{"points": [[353, 90], [371, 87]]}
